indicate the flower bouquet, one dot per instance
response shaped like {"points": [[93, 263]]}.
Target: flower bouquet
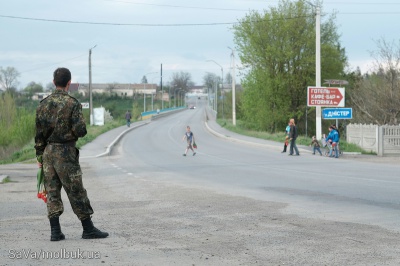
{"points": [[41, 191]]}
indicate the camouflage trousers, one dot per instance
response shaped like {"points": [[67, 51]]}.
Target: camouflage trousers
{"points": [[61, 169]]}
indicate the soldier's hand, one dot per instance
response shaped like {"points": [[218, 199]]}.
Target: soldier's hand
{"points": [[39, 161]]}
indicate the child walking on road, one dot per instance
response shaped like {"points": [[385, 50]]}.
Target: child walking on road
{"points": [[316, 146], [190, 139]]}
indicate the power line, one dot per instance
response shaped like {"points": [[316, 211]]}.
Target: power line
{"points": [[179, 24], [176, 6], [119, 24], [367, 13], [361, 3], [233, 9], [142, 25]]}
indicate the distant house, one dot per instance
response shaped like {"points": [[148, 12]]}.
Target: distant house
{"points": [[73, 87], [198, 89], [38, 96], [122, 90]]}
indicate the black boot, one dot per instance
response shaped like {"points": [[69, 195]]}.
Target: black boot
{"points": [[56, 234], [90, 232]]}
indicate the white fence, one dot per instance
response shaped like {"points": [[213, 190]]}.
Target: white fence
{"points": [[384, 140]]}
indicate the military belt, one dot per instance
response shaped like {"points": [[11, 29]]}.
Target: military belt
{"points": [[68, 143]]}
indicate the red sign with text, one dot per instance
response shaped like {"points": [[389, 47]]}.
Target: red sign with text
{"points": [[325, 96]]}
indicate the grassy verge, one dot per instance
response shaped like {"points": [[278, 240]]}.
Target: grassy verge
{"points": [[280, 137], [5, 180], [27, 153]]}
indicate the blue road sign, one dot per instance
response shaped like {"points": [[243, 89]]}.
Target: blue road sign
{"points": [[337, 113]]}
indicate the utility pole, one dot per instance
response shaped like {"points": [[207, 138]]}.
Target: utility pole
{"points": [[144, 90], [317, 66], [144, 97], [216, 96], [162, 91], [222, 90], [233, 88], [222, 86], [90, 86]]}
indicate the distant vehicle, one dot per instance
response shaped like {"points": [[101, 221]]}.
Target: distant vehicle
{"points": [[198, 98], [192, 107]]}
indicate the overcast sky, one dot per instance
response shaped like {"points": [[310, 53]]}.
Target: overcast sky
{"points": [[124, 53]]}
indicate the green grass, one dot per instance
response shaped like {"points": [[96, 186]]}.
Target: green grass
{"points": [[27, 153], [17, 124], [5, 180], [95, 131], [280, 137]]}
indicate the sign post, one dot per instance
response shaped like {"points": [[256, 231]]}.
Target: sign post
{"points": [[324, 97]]}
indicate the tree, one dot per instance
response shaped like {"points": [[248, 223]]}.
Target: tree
{"points": [[33, 88], [277, 49], [181, 80], [111, 88], [50, 86], [209, 80], [8, 110], [144, 79], [8, 78], [375, 97], [228, 78]]}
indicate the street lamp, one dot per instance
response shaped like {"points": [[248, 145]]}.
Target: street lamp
{"points": [[169, 96], [180, 97], [90, 86], [152, 100], [144, 89], [175, 96], [317, 65], [222, 88], [233, 87]]}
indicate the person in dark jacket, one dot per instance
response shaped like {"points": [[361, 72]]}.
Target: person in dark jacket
{"points": [[293, 137], [59, 124], [128, 118], [316, 145]]}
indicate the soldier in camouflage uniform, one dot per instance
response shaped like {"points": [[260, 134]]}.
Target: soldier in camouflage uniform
{"points": [[59, 124]]}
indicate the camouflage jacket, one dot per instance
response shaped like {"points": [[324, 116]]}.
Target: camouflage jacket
{"points": [[59, 119]]}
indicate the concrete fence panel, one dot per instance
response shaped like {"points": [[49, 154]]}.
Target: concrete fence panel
{"points": [[383, 140]]}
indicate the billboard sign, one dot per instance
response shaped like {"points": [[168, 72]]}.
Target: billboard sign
{"points": [[325, 96]]}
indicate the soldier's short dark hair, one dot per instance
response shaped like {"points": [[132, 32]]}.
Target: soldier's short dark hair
{"points": [[61, 77]]}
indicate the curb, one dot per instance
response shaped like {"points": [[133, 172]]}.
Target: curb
{"points": [[243, 141], [115, 141], [237, 140], [144, 123]]}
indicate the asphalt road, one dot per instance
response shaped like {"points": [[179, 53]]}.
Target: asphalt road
{"points": [[313, 186], [231, 204]]}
